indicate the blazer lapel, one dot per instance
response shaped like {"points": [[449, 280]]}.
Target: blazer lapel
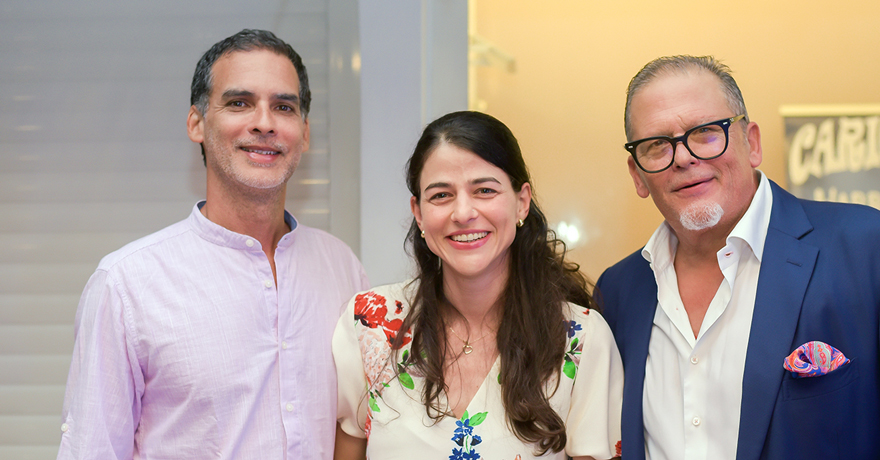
{"points": [[786, 267], [644, 304]]}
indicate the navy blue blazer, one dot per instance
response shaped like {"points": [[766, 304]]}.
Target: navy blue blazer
{"points": [[819, 280]]}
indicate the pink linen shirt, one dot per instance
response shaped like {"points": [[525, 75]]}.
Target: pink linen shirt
{"points": [[186, 348]]}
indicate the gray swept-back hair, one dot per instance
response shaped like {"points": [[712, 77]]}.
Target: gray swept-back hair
{"points": [[683, 64]]}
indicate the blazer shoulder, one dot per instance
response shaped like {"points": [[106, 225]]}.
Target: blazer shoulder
{"points": [[837, 214], [616, 286], [801, 218], [843, 223], [631, 267]]}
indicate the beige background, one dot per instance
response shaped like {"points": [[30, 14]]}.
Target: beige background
{"points": [[574, 59]]}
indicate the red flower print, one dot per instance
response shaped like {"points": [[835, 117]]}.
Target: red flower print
{"points": [[392, 328], [371, 311], [617, 447]]}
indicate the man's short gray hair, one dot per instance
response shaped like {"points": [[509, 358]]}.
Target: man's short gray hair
{"points": [[683, 64]]}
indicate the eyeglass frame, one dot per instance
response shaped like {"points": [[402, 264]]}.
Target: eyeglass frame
{"points": [[724, 123]]}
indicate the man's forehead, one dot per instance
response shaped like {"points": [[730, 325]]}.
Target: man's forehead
{"points": [[677, 101], [695, 77], [242, 57], [240, 62], [677, 88]]}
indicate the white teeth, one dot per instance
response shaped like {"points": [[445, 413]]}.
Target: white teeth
{"points": [[261, 152], [467, 238]]}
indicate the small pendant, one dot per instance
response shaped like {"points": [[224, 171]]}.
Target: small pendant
{"points": [[467, 349]]}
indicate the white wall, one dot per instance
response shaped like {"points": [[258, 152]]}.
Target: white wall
{"points": [[414, 56]]}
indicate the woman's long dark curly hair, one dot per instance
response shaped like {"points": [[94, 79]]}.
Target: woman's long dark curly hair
{"points": [[532, 333]]}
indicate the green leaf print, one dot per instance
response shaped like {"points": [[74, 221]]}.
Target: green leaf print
{"points": [[570, 369], [406, 380], [574, 344], [464, 416], [478, 418], [373, 405]]}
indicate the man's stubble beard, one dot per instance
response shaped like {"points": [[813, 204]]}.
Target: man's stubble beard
{"points": [[225, 159]]}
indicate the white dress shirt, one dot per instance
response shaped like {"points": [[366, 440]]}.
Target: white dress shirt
{"points": [[186, 348], [693, 385]]}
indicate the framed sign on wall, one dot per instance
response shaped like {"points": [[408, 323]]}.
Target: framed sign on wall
{"points": [[833, 152]]}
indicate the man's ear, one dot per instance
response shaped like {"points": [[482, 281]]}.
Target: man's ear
{"points": [[756, 153], [306, 134], [195, 126], [638, 178]]}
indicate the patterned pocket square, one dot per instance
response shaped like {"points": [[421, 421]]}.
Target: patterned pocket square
{"points": [[813, 359]]}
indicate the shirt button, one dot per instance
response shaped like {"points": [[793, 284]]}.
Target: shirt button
{"points": [[249, 243], [289, 407], [284, 345], [695, 421], [64, 428], [267, 283], [728, 254], [694, 360]]}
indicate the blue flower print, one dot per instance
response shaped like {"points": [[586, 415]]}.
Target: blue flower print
{"points": [[464, 429], [572, 356], [465, 438], [573, 327], [460, 454]]}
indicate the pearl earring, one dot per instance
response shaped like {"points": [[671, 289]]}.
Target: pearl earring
{"points": [[520, 223], [423, 233]]}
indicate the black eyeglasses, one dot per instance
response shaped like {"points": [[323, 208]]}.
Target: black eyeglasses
{"points": [[705, 142]]}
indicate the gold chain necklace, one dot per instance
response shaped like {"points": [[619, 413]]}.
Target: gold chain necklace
{"points": [[467, 348]]}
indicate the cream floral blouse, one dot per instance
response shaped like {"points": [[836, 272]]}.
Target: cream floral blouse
{"points": [[380, 399]]}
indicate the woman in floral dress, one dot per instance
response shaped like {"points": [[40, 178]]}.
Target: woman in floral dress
{"points": [[495, 349]]}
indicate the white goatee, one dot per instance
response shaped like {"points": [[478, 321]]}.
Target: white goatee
{"points": [[701, 216]]}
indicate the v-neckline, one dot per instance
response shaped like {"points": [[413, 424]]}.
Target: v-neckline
{"points": [[481, 390]]}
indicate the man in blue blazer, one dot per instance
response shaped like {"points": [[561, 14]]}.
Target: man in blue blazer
{"points": [[739, 278]]}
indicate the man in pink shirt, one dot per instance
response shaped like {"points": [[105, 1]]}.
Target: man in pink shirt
{"points": [[211, 337]]}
